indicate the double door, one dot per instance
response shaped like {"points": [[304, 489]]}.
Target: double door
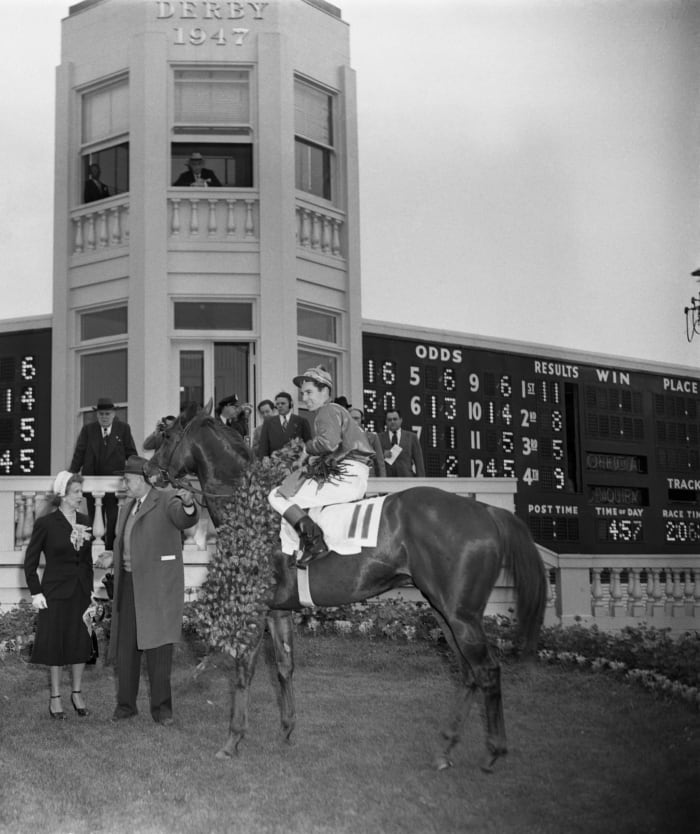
{"points": [[215, 370]]}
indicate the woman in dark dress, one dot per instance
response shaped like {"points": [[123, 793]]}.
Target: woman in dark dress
{"points": [[64, 591]]}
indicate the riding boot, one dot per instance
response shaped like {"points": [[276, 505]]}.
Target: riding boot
{"points": [[310, 535]]}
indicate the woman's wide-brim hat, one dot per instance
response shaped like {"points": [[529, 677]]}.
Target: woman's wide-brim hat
{"points": [[135, 465], [319, 375]]}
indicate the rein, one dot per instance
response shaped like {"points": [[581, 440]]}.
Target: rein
{"points": [[199, 495]]}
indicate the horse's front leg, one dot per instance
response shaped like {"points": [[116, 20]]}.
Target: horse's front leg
{"points": [[241, 679], [281, 625]]}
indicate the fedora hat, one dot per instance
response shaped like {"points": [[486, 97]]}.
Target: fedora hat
{"points": [[135, 465], [104, 404], [318, 374], [196, 156]]}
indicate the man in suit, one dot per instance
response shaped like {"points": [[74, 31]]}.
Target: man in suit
{"points": [[94, 189], [233, 415], [149, 589], [197, 175], [409, 463], [378, 467], [278, 430], [102, 449], [266, 408]]}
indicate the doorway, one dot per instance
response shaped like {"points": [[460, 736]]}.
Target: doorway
{"points": [[214, 370]]}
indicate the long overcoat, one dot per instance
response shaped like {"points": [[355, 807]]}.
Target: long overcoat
{"points": [[156, 567]]}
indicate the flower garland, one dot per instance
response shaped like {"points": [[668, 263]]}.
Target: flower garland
{"points": [[234, 599]]}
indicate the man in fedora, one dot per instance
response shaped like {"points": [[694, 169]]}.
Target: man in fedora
{"points": [[102, 449], [197, 175], [149, 588]]}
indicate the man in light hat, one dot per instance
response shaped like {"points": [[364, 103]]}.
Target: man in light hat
{"points": [[336, 470], [102, 449], [197, 175], [149, 588]]}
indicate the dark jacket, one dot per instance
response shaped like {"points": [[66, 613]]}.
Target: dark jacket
{"points": [[92, 457], [411, 455], [65, 567], [209, 177], [94, 190], [273, 437]]}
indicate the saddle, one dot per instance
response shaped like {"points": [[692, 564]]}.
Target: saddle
{"points": [[347, 528]]}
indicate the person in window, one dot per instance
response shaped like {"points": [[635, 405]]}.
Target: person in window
{"points": [[95, 189], [335, 470], [197, 175], [102, 449]]}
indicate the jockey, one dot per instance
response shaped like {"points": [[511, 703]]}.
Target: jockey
{"points": [[342, 444]]}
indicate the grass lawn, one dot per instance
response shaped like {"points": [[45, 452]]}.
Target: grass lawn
{"points": [[587, 754]]}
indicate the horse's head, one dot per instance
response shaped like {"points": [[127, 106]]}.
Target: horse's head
{"points": [[197, 444]]}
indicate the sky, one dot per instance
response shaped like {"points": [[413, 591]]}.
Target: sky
{"points": [[529, 169]]}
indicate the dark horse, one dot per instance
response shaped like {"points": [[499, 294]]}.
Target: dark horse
{"points": [[450, 547]]}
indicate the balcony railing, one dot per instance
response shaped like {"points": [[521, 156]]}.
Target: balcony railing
{"points": [[319, 230], [101, 226], [213, 214], [609, 591]]}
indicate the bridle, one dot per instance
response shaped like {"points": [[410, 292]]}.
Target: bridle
{"points": [[165, 477]]}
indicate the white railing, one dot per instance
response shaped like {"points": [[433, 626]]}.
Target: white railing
{"points": [[213, 214], [609, 591], [319, 230], [100, 226]]}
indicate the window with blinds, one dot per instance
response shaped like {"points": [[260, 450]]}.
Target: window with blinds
{"points": [[205, 98], [105, 141], [313, 139], [106, 112]]}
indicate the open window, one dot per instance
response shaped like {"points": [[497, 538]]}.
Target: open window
{"points": [[105, 141], [212, 119]]}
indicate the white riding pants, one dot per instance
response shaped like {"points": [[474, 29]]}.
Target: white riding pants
{"points": [[351, 487]]}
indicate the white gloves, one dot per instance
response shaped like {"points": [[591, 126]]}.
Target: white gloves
{"points": [[39, 601], [105, 560]]}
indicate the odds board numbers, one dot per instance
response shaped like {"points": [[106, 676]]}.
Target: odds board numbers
{"points": [[25, 402], [606, 459]]}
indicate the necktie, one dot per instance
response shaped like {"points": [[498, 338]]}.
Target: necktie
{"points": [[105, 435], [394, 439], [284, 424], [138, 506]]}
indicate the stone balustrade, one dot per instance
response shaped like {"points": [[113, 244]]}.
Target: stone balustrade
{"points": [[609, 591], [100, 226], [213, 214], [319, 230]]}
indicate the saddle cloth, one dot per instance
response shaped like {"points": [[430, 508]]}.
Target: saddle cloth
{"points": [[347, 528]]}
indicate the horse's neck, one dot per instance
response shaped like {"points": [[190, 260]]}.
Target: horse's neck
{"points": [[218, 469]]}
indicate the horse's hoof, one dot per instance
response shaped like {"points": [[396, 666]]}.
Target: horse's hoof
{"points": [[442, 762]]}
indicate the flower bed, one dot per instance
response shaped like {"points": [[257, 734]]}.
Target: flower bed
{"points": [[647, 656]]}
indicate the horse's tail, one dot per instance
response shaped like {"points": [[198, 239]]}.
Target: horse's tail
{"points": [[523, 559]]}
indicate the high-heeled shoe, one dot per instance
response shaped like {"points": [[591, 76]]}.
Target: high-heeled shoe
{"points": [[82, 711], [58, 715]]}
